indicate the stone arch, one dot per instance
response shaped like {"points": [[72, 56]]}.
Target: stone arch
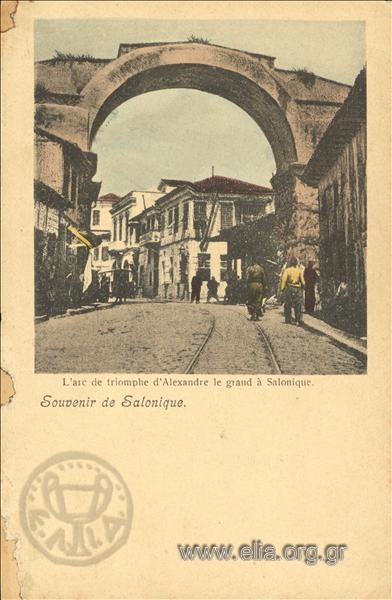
{"points": [[248, 83], [293, 108]]}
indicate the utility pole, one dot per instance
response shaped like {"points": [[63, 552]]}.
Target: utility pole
{"points": [[212, 170]]}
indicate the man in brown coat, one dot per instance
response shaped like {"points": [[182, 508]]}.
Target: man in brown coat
{"points": [[256, 284]]}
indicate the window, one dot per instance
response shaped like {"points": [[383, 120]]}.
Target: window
{"points": [[120, 222], [200, 219], [223, 267], [175, 223], [226, 215], [171, 270], [185, 216], [183, 267], [204, 265], [96, 253], [74, 187], [105, 253], [251, 211], [114, 230], [52, 243], [96, 217], [331, 214], [163, 222], [67, 172], [336, 203], [170, 217], [126, 227]]}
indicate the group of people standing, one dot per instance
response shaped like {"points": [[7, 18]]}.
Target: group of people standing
{"points": [[212, 288], [235, 292], [293, 280]]}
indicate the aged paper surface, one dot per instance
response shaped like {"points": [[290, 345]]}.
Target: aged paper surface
{"points": [[305, 466]]}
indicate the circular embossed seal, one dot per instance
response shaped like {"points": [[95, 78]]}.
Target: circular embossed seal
{"points": [[76, 509]]}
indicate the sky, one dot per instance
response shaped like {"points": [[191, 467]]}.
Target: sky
{"points": [[181, 133]]}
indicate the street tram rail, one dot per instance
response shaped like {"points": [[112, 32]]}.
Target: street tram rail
{"points": [[276, 370], [269, 350], [196, 356]]}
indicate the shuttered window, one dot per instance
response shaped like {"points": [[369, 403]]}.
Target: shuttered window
{"points": [[185, 216], [96, 217], [175, 220], [226, 215]]}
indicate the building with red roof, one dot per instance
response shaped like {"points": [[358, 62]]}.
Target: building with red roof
{"points": [[184, 237]]}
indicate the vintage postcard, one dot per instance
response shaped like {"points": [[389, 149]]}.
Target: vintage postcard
{"points": [[196, 299]]}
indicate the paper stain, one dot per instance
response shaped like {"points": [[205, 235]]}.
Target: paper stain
{"points": [[10, 587], [7, 388], [8, 10]]}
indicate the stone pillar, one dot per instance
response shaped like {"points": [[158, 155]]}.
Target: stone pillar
{"points": [[297, 215]]}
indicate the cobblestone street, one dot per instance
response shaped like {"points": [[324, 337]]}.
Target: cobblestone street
{"points": [[154, 337]]}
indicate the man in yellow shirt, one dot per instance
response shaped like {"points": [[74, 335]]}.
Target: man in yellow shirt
{"points": [[292, 284]]}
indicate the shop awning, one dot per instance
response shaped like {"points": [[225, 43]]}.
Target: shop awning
{"points": [[86, 237]]}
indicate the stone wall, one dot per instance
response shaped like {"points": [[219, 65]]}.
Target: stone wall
{"points": [[342, 199], [49, 163], [296, 212]]}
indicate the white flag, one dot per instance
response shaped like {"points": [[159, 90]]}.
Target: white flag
{"points": [[88, 272]]}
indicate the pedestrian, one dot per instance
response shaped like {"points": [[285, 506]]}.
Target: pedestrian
{"points": [[104, 289], [292, 284], [256, 284], [212, 287], [343, 315], [76, 289], [196, 284], [118, 286], [231, 288], [310, 277], [132, 289], [125, 284]]}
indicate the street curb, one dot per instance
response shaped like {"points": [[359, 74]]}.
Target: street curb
{"points": [[80, 311], [71, 312], [86, 309], [339, 339], [104, 306], [41, 318]]}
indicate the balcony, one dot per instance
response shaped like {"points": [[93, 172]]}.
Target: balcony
{"points": [[150, 237], [117, 246]]}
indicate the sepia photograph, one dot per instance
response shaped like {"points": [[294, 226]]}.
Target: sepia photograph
{"points": [[196, 204], [200, 197]]}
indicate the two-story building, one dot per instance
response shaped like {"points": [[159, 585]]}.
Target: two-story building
{"points": [[101, 225], [124, 246], [63, 195], [191, 217], [145, 233]]}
